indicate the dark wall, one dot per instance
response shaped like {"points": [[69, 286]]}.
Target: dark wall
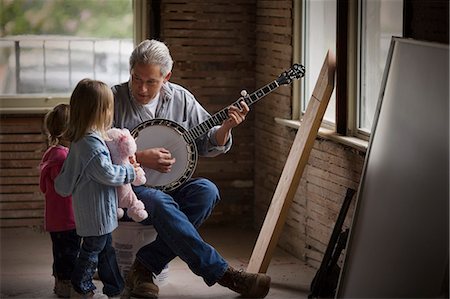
{"points": [[426, 20]]}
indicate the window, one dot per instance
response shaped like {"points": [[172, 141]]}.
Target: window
{"points": [[380, 20], [319, 36], [47, 46], [371, 24], [50, 64]]}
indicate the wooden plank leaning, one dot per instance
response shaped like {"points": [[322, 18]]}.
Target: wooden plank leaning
{"points": [[293, 169]]}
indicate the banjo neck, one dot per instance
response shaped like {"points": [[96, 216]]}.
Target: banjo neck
{"points": [[219, 117], [295, 72]]}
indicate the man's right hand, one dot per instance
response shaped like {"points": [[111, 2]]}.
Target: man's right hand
{"points": [[158, 159]]}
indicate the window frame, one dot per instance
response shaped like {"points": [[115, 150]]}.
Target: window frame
{"points": [[348, 71], [358, 72]]}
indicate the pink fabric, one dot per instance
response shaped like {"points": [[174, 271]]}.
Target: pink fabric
{"points": [[58, 210]]}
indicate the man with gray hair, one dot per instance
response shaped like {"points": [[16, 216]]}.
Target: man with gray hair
{"points": [[176, 214]]}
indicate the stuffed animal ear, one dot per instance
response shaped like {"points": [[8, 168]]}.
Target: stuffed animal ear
{"points": [[127, 143], [112, 133]]}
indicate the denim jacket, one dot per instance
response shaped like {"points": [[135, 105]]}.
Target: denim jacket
{"points": [[90, 177], [175, 103]]}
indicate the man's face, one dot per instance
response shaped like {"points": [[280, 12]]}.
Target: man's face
{"points": [[146, 81]]}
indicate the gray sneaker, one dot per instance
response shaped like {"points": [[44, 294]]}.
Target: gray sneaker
{"points": [[249, 285], [90, 295]]}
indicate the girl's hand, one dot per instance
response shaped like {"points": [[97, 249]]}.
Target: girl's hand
{"points": [[132, 159], [140, 174]]}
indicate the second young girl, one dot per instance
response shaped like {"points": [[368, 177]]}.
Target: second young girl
{"points": [[59, 219], [89, 175]]}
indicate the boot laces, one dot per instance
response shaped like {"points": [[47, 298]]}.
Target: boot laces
{"points": [[239, 279]]}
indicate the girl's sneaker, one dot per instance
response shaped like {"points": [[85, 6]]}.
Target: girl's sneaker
{"points": [[74, 294]]}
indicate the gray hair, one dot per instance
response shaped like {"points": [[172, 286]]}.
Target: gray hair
{"points": [[152, 52]]}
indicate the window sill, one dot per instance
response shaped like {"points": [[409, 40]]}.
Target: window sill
{"points": [[353, 142], [30, 104]]}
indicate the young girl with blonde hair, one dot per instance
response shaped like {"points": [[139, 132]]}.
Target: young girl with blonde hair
{"points": [[91, 178], [59, 220]]}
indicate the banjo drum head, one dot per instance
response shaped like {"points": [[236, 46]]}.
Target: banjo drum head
{"points": [[159, 133]]}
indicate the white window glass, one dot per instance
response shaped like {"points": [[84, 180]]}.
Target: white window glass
{"points": [[320, 35], [380, 20], [47, 46]]}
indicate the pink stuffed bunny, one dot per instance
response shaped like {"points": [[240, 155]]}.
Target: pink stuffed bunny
{"points": [[122, 146]]}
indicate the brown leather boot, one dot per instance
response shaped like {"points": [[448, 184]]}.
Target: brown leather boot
{"points": [[139, 283], [249, 285]]}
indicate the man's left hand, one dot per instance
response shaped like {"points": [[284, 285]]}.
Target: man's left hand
{"points": [[236, 115]]}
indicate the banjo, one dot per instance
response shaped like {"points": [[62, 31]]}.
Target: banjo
{"points": [[181, 142]]}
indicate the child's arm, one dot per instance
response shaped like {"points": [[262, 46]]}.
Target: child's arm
{"points": [[48, 176], [102, 170], [54, 171], [51, 169]]}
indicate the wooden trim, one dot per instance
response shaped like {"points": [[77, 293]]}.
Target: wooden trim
{"points": [[141, 20], [351, 141], [341, 66], [407, 17], [297, 54], [155, 19]]}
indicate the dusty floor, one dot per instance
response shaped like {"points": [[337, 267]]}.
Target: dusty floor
{"points": [[26, 267]]}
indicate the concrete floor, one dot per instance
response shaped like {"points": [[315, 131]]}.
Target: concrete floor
{"points": [[26, 267]]}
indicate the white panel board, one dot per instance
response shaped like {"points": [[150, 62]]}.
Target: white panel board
{"points": [[398, 245]]}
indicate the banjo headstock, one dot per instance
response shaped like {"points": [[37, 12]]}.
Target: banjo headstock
{"points": [[295, 72]]}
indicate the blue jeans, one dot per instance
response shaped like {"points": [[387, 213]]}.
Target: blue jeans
{"points": [[65, 247], [176, 215], [97, 253]]}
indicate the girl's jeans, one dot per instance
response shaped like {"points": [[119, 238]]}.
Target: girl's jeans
{"points": [[97, 253], [65, 247], [176, 216]]}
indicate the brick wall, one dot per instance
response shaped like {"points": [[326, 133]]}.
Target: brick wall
{"points": [[21, 147], [212, 44]]}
